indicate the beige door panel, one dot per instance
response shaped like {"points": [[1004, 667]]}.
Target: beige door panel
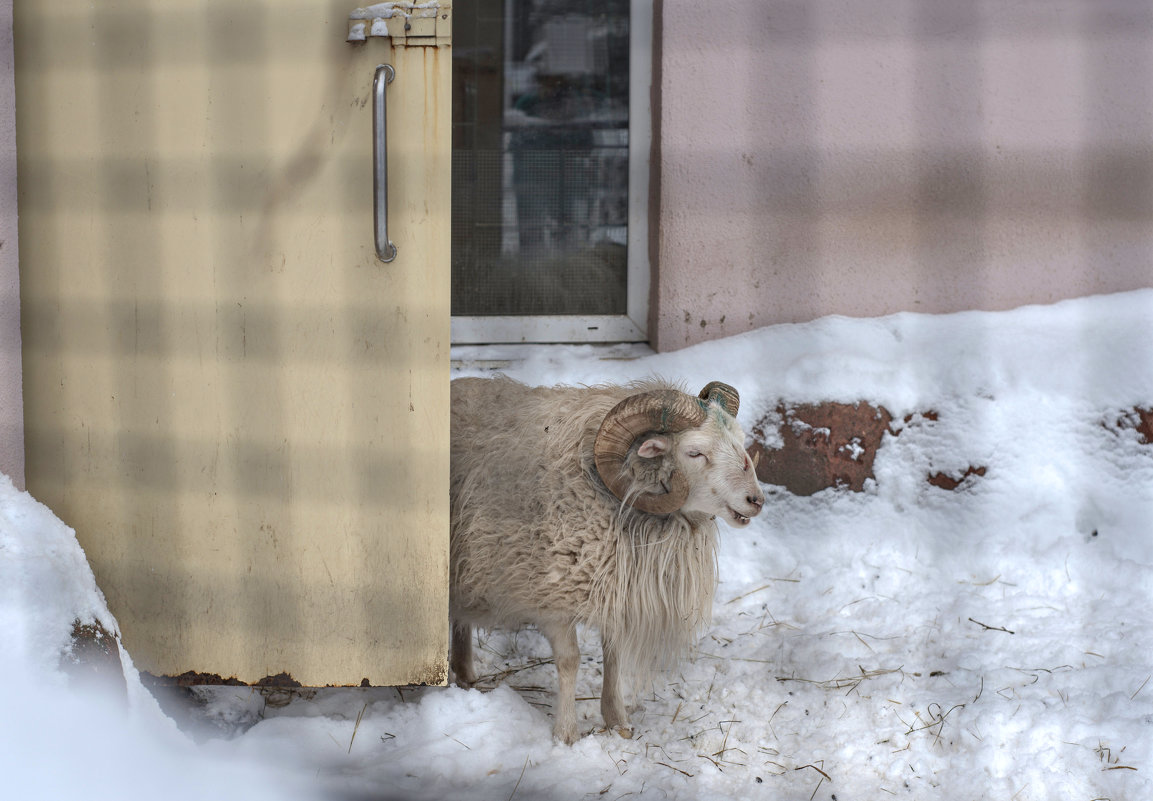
{"points": [[243, 413]]}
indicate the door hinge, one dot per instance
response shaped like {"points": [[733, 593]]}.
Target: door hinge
{"points": [[408, 24]]}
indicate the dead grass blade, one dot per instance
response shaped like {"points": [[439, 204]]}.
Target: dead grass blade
{"points": [[824, 777], [759, 589], [501, 675], [987, 627], [848, 683], [517, 785], [678, 770], [356, 727]]}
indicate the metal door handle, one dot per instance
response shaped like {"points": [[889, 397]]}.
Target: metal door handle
{"points": [[385, 250]]}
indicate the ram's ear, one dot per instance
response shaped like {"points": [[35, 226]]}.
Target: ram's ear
{"points": [[653, 447]]}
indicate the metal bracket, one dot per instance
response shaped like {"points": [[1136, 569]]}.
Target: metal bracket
{"points": [[407, 24]]}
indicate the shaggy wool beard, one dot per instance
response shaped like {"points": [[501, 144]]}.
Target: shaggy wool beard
{"points": [[654, 599]]}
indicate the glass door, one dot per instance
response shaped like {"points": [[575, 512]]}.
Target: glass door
{"points": [[549, 171]]}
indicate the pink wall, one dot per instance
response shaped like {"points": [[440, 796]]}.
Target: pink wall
{"points": [[11, 396], [845, 157]]}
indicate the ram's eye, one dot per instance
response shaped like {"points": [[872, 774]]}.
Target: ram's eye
{"points": [[695, 454]]}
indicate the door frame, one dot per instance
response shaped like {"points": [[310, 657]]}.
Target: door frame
{"points": [[633, 325]]}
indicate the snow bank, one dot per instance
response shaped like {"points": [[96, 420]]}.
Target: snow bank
{"points": [[905, 641], [60, 742]]}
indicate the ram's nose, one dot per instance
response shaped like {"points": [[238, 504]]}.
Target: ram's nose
{"points": [[755, 498]]}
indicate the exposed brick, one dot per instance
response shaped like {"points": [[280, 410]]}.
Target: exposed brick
{"points": [[948, 482], [825, 445], [1138, 418], [1145, 426], [835, 445]]}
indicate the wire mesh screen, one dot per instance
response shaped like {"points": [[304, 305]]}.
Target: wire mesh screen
{"points": [[540, 158]]}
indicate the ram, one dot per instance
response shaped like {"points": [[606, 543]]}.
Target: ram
{"points": [[596, 506]]}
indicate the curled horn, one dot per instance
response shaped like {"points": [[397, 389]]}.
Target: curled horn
{"points": [[723, 395], [663, 411]]}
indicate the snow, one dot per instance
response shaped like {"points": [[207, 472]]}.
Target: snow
{"points": [[392, 9], [854, 449], [57, 742], [378, 13], [907, 641]]}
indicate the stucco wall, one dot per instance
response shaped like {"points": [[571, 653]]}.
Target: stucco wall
{"points": [[861, 158], [11, 400]]}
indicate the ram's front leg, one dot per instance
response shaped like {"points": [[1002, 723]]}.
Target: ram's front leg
{"points": [[612, 701], [562, 637]]}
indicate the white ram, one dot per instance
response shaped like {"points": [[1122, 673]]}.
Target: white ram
{"points": [[592, 505]]}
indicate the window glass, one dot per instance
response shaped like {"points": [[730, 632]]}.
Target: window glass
{"points": [[540, 157]]}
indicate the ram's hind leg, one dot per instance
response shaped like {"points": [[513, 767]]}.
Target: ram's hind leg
{"points": [[612, 702], [562, 637], [460, 655]]}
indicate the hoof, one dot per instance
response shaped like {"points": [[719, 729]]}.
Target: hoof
{"points": [[624, 731], [566, 734], [464, 682]]}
